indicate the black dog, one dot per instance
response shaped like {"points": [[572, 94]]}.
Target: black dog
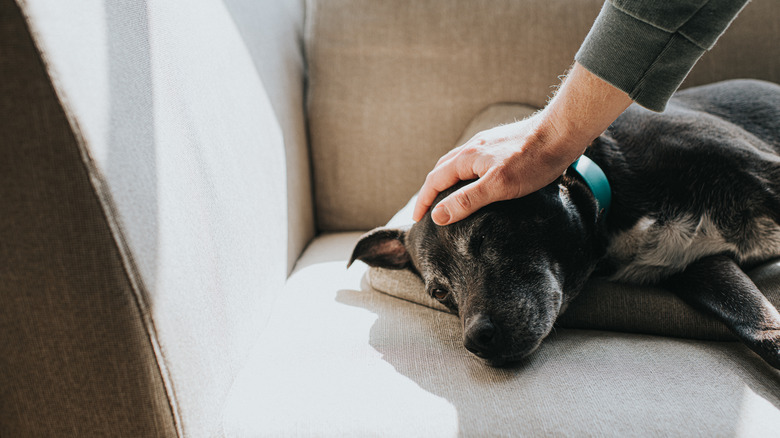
{"points": [[695, 198]]}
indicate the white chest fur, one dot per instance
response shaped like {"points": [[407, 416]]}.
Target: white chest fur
{"points": [[653, 250]]}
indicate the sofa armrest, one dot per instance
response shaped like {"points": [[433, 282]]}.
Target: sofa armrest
{"points": [[145, 217]]}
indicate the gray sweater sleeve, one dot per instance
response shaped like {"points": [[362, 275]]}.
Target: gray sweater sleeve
{"points": [[647, 47]]}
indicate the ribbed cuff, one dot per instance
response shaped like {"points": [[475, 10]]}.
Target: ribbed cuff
{"points": [[640, 59]]}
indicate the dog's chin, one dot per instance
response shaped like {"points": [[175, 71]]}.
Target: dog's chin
{"points": [[506, 362], [498, 363], [511, 359]]}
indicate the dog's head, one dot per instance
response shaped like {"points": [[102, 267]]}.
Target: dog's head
{"points": [[507, 270]]}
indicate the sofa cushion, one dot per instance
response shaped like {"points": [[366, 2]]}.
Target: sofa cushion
{"points": [[340, 359], [392, 84], [602, 305]]}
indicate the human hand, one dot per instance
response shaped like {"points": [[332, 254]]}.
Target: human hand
{"points": [[508, 161], [517, 159]]}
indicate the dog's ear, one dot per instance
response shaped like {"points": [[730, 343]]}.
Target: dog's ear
{"points": [[382, 248]]}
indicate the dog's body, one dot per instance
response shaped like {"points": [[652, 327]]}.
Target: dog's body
{"points": [[695, 197], [700, 179]]}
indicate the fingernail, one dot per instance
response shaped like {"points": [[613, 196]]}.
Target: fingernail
{"points": [[440, 215]]}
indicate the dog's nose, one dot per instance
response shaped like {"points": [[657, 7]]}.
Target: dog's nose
{"points": [[482, 337]]}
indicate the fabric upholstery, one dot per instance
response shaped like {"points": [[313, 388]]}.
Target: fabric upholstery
{"points": [[344, 360], [186, 152], [76, 357], [392, 84], [272, 32], [154, 194], [602, 305]]}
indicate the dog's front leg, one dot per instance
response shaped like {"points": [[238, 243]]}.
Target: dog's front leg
{"points": [[717, 285]]}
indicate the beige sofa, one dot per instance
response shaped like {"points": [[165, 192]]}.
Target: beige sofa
{"points": [[182, 185]]}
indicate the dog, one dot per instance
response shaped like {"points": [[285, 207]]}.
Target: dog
{"points": [[695, 199]]}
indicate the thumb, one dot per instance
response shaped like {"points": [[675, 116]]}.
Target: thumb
{"points": [[461, 203]]}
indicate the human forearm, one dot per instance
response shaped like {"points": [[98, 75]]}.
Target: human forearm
{"points": [[584, 106], [647, 48]]}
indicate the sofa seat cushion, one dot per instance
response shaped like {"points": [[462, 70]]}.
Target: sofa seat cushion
{"points": [[339, 359]]}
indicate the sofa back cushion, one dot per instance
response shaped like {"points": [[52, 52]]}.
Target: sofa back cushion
{"points": [[393, 84]]}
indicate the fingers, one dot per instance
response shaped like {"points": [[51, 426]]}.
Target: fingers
{"points": [[449, 155], [453, 167], [484, 154], [438, 180], [468, 199]]}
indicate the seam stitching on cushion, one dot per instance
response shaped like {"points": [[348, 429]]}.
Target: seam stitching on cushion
{"points": [[110, 214]]}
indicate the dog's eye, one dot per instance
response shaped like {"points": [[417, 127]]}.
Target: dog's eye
{"points": [[439, 293]]}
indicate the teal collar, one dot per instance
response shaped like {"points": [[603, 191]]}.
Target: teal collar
{"points": [[596, 180]]}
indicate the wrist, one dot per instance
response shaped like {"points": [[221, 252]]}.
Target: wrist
{"points": [[584, 106], [545, 153], [557, 141]]}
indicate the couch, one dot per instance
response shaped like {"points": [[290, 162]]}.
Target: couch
{"points": [[182, 185]]}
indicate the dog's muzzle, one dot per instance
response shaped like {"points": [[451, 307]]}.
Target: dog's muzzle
{"points": [[482, 337]]}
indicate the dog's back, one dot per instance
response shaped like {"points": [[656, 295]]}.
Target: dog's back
{"points": [[751, 105], [701, 178]]}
